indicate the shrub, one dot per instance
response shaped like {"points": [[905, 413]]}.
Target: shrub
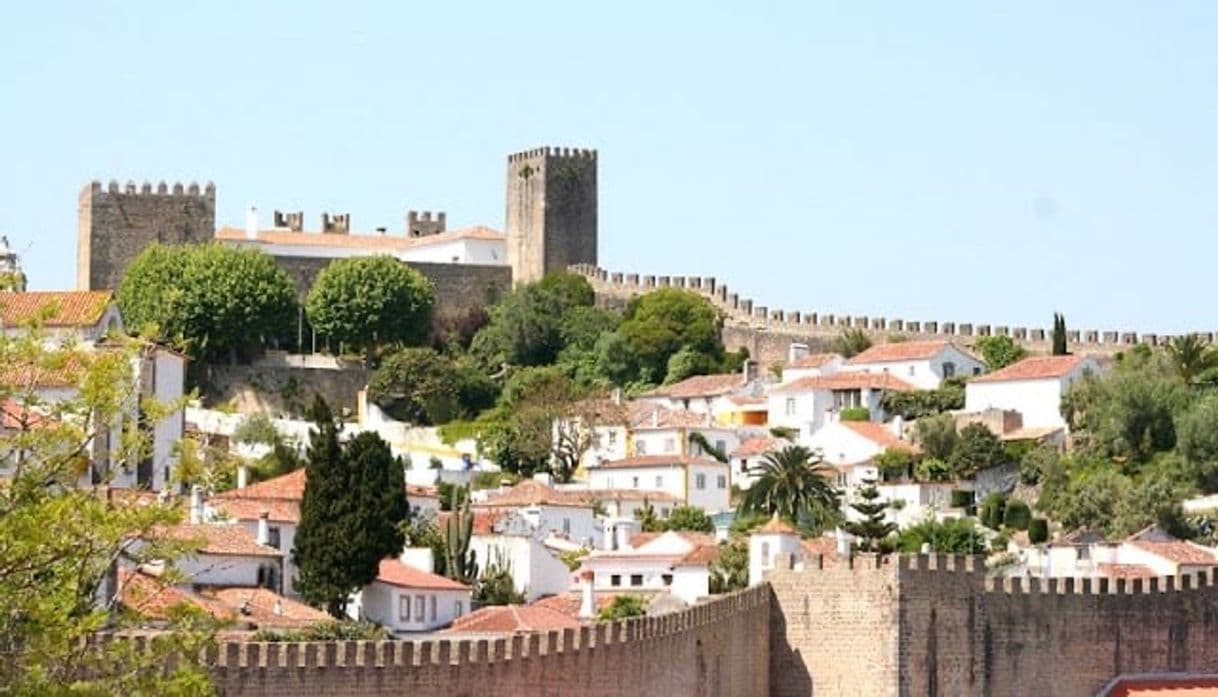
{"points": [[1038, 531], [1017, 515], [623, 606], [326, 631], [961, 498], [894, 463], [855, 414], [932, 469], [992, 509]]}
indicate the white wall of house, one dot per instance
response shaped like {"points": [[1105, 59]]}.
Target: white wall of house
{"points": [[925, 374], [287, 538], [224, 570], [771, 551], [458, 251], [830, 367], [578, 523], [668, 478], [536, 571], [1038, 401], [840, 445], [690, 582], [709, 487], [405, 610], [168, 386]]}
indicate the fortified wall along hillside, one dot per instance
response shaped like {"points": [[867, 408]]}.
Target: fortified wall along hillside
{"points": [[767, 333]]}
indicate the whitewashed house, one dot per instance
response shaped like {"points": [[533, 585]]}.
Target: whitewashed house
{"points": [[1147, 553], [806, 404], [1033, 387], [404, 599], [777, 545], [751, 454], [536, 569], [694, 481], [279, 499], [802, 364], [923, 364], [548, 510], [707, 394], [849, 442], [676, 562], [86, 316]]}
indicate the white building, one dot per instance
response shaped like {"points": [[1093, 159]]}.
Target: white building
{"points": [[849, 442], [84, 316], [776, 545], [536, 569], [1147, 553], [694, 481], [924, 364], [802, 364], [404, 599], [751, 454], [474, 245], [547, 510], [707, 394], [672, 561], [1033, 387], [808, 403]]}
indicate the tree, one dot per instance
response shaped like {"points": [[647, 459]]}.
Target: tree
{"points": [[214, 300], [1197, 440], [526, 326], [648, 520], [365, 302], [1000, 351], [852, 342], [1193, 358], [793, 483], [351, 515], [937, 436], [977, 449], [663, 322], [539, 425], [496, 585], [993, 508], [60, 541], [623, 607], [1059, 335], [952, 536], [417, 385], [256, 428], [689, 518], [874, 525], [918, 404], [729, 571]]}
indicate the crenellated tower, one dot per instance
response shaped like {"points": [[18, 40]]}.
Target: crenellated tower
{"points": [[115, 225], [551, 211]]}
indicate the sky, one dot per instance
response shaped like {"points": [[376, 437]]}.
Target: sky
{"points": [[955, 161]]}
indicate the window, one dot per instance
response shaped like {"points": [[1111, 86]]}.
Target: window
{"points": [[722, 481], [419, 609], [433, 608], [659, 481], [615, 580], [670, 445], [566, 526], [976, 371], [636, 580], [640, 446], [949, 369], [700, 481], [612, 438], [404, 608], [273, 537], [458, 609], [667, 578], [790, 410], [663, 511], [634, 482], [608, 482], [911, 371], [843, 399]]}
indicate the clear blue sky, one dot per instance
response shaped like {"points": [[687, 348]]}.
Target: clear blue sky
{"points": [[966, 161]]}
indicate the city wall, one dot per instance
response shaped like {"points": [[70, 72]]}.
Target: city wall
{"points": [[937, 625], [720, 649], [768, 332]]}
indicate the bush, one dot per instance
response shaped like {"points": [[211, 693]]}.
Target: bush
{"points": [[1038, 531], [1017, 515], [256, 428], [623, 606], [977, 449], [961, 498], [1036, 462], [932, 470], [325, 631], [894, 463], [992, 509], [855, 414]]}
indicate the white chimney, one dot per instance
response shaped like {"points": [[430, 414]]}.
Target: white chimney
{"points": [[543, 477], [264, 528], [624, 530], [587, 604], [251, 223], [796, 352], [607, 530], [196, 504], [243, 476], [898, 427], [278, 609]]}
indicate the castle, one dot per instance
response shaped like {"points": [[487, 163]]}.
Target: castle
{"points": [[551, 225]]}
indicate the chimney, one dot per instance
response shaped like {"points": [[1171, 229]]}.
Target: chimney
{"points": [[898, 427], [196, 504], [418, 558], [278, 609], [543, 477], [243, 475], [264, 528], [251, 223], [721, 533], [624, 531], [587, 604], [796, 351]]}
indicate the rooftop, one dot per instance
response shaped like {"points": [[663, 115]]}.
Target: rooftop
{"points": [[221, 539], [286, 486], [1033, 368], [900, 351], [530, 492], [759, 445], [79, 308], [813, 360], [514, 618], [845, 381], [395, 573], [880, 434], [699, 386], [383, 242], [660, 461]]}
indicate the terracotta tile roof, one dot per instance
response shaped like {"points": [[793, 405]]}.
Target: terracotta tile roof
{"points": [[280, 510], [395, 573], [80, 308], [1163, 686], [385, 242], [699, 386], [265, 608], [68, 372], [150, 597], [777, 526], [513, 618], [700, 556], [659, 417], [899, 351], [759, 445], [1125, 570], [1179, 551], [221, 539], [823, 546], [568, 603], [880, 434], [427, 492], [659, 461], [530, 492], [652, 496], [287, 486], [813, 360], [845, 381], [1033, 368], [17, 417], [484, 521], [695, 539]]}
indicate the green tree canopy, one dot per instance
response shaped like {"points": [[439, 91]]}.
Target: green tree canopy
{"points": [[217, 301], [937, 436], [531, 325], [792, 483], [952, 536], [977, 449], [661, 323], [418, 385], [1194, 358], [689, 518], [1000, 351], [365, 302], [872, 527]]}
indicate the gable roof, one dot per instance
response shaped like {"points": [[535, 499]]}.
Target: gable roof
{"points": [[694, 539], [776, 526], [845, 381], [75, 308], [221, 539], [514, 618], [759, 445], [699, 386], [530, 492], [813, 360], [285, 486], [900, 351], [265, 608], [1033, 368], [660, 461], [880, 434], [395, 573], [278, 510], [660, 417]]}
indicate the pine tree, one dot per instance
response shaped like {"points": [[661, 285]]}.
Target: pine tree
{"points": [[354, 502], [1059, 335], [873, 527]]}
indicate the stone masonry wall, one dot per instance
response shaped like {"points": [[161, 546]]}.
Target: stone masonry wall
{"points": [[719, 649]]}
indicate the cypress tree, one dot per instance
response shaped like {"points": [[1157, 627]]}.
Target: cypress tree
{"points": [[873, 527], [354, 501], [1059, 335]]}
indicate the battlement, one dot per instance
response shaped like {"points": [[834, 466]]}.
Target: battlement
{"points": [[293, 221], [552, 152], [743, 312], [422, 225], [179, 190], [336, 224]]}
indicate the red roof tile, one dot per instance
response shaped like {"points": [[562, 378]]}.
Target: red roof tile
{"points": [[81, 308], [700, 556], [513, 618], [1033, 368], [530, 492], [777, 526], [150, 597], [1164, 686], [880, 434], [279, 510], [813, 360], [652, 496], [699, 386], [659, 417], [484, 521], [845, 381], [693, 538], [900, 351], [569, 603], [395, 573], [221, 539], [1179, 551], [1125, 570], [660, 461], [265, 608], [286, 486], [760, 446]]}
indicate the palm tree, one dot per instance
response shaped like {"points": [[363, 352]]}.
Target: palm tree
{"points": [[1192, 357], [793, 483]]}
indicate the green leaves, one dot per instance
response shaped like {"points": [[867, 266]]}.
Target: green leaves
{"points": [[365, 302], [794, 484], [1000, 351]]}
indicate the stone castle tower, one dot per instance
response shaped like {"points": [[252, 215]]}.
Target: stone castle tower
{"points": [[551, 211], [115, 226]]}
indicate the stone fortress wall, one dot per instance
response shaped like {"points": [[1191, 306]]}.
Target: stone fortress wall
{"points": [[767, 333], [720, 648]]}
